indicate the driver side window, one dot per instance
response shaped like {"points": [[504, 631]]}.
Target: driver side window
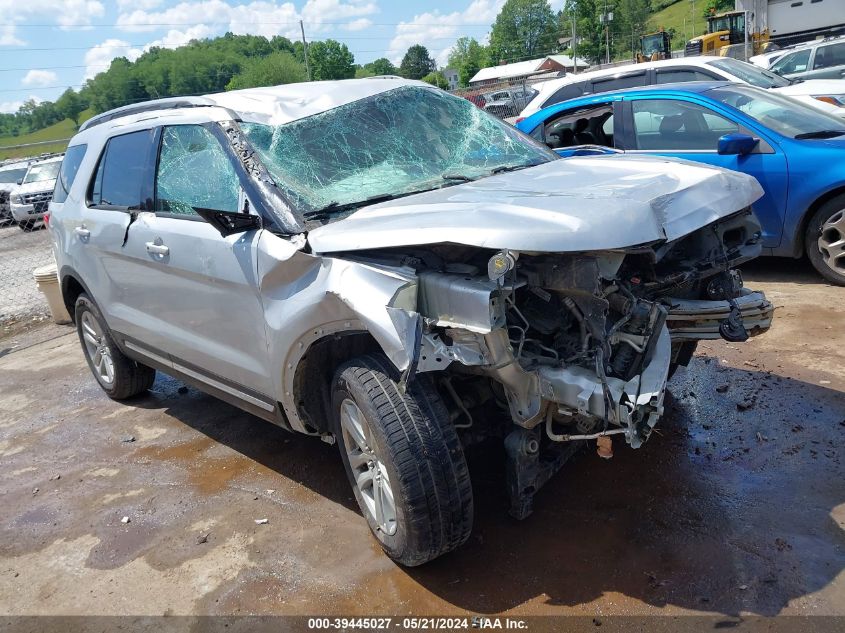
{"points": [[194, 172], [670, 125]]}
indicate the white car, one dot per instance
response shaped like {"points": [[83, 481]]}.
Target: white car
{"points": [[11, 176], [29, 202], [824, 94]]}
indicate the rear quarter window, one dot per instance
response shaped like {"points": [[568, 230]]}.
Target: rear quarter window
{"points": [[67, 173], [565, 93]]}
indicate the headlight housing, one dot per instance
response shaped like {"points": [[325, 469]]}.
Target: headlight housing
{"points": [[837, 100], [17, 199]]}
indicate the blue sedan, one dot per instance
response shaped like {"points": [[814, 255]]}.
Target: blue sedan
{"points": [[797, 153]]}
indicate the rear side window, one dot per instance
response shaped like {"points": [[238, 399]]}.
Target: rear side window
{"points": [[570, 91], [120, 174], [681, 75], [619, 83], [67, 173], [829, 56]]}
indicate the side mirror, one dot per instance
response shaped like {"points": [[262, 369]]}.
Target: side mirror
{"points": [[229, 222], [19, 181], [737, 144]]}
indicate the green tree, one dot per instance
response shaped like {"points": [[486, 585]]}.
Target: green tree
{"points": [[381, 66], [436, 79], [361, 72], [417, 63], [280, 67], [330, 60], [70, 106], [524, 29], [467, 57]]}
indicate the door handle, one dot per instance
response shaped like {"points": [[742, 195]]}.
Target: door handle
{"points": [[82, 232], [157, 249]]}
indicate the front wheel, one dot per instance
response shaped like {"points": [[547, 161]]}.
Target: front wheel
{"points": [[118, 375], [825, 240], [403, 459]]}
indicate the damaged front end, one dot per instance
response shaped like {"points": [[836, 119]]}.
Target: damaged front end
{"points": [[572, 347]]}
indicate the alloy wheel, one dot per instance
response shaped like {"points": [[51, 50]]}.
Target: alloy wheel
{"points": [[97, 349], [368, 470], [832, 242]]}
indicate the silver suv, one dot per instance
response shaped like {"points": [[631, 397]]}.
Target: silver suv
{"points": [[824, 59], [383, 265]]}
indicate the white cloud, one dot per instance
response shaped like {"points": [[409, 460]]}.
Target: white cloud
{"points": [[67, 14], [11, 107], [175, 38], [259, 17], [434, 29], [358, 25], [8, 37], [98, 58], [37, 77], [145, 5]]}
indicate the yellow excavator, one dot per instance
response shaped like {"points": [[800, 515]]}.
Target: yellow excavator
{"points": [[725, 36], [654, 46]]}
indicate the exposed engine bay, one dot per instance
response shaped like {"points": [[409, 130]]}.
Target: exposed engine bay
{"points": [[575, 346]]}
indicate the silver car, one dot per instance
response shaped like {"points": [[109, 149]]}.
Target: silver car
{"points": [[819, 60], [382, 265]]}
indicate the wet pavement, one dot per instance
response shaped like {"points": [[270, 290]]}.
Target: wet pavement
{"points": [[736, 505]]}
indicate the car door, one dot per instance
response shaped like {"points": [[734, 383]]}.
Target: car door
{"points": [[793, 65], [685, 129], [95, 237], [828, 63], [194, 296]]}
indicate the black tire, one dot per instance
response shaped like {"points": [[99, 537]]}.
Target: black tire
{"points": [[130, 377], [831, 210], [417, 445]]}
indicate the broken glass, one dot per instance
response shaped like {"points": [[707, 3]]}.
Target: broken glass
{"points": [[194, 172], [399, 141]]}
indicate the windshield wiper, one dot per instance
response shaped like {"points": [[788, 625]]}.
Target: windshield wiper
{"points": [[504, 168], [461, 177], [334, 207], [820, 134]]}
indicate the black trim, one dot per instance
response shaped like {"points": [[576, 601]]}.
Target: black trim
{"points": [[276, 416], [626, 140]]}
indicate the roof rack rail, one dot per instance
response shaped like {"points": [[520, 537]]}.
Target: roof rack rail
{"points": [[172, 103]]}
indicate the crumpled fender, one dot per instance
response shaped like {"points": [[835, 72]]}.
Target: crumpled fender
{"points": [[307, 298]]}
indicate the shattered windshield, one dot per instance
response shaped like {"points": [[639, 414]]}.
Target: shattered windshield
{"points": [[394, 143], [43, 171]]}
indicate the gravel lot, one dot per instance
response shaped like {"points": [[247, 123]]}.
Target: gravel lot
{"points": [[724, 511]]}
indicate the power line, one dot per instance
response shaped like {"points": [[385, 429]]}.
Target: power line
{"points": [[126, 25]]}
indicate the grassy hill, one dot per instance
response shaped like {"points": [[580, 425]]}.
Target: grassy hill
{"points": [[672, 17], [61, 130]]}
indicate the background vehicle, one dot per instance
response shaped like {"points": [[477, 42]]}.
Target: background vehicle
{"points": [[820, 94], [29, 202], [11, 175], [654, 46], [796, 153], [507, 103], [782, 22], [402, 307], [819, 60]]}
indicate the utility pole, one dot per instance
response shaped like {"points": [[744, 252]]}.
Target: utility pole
{"points": [[305, 50], [693, 19], [574, 37]]}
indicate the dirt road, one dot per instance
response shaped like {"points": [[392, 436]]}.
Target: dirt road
{"points": [[736, 506]]}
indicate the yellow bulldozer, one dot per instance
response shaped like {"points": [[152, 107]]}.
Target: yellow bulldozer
{"points": [[725, 36], [654, 46]]}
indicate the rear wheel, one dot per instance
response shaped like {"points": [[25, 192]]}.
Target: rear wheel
{"points": [[119, 376], [403, 459], [825, 240]]}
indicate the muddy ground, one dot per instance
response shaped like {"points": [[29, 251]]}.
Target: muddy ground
{"points": [[724, 511]]}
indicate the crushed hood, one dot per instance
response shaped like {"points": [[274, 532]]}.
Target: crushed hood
{"points": [[573, 204]]}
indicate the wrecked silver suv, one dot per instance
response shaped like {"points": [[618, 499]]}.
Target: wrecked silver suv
{"points": [[385, 266]]}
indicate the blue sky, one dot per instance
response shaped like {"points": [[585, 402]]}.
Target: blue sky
{"points": [[49, 45]]}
